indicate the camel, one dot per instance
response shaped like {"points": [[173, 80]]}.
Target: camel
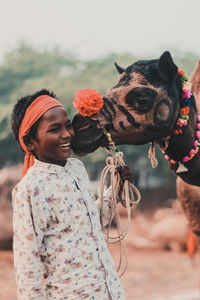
{"points": [[143, 107], [195, 80]]}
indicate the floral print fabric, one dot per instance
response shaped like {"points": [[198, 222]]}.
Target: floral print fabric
{"points": [[59, 248]]}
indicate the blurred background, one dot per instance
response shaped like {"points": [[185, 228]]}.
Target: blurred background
{"points": [[64, 46]]}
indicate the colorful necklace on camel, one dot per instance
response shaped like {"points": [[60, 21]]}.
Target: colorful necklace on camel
{"points": [[182, 122], [194, 150]]}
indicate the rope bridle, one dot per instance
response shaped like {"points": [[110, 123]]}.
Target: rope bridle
{"points": [[130, 197]]}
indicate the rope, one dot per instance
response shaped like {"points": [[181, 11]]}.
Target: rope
{"points": [[152, 155], [126, 198]]}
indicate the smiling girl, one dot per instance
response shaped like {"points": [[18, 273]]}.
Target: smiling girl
{"points": [[59, 248]]}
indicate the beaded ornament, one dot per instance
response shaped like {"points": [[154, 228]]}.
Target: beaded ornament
{"points": [[194, 149]]}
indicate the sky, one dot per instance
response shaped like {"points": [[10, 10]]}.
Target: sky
{"points": [[92, 28]]}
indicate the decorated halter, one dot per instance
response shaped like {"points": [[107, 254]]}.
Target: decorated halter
{"points": [[89, 102], [183, 118]]}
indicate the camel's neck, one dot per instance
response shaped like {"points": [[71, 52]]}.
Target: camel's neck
{"points": [[180, 147]]}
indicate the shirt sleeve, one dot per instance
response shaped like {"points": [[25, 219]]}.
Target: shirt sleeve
{"points": [[29, 222]]}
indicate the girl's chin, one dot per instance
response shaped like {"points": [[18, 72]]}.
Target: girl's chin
{"points": [[65, 151], [61, 160]]}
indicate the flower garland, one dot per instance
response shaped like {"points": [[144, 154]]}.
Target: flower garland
{"points": [[88, 102], [184, 105], [193, 151]]}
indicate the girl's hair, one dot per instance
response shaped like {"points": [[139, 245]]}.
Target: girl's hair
{"points": [[19, 111]]}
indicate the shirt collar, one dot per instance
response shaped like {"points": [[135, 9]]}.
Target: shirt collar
{"points": [[51, 168]]}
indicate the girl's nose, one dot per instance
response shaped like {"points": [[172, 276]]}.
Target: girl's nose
{"points": [[66, 133]]}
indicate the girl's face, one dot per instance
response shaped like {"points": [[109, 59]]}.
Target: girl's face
{"points": [[54, 136]]}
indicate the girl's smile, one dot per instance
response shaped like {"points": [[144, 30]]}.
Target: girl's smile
{"points": [[54, 135]]}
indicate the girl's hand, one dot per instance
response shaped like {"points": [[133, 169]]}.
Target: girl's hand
{"points": [[125, 173]]}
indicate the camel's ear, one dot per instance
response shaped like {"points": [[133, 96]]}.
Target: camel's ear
{"points": [[120, 70], [166, 67]]}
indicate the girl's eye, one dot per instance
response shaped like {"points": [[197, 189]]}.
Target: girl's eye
{"points": [[54, 129], [68, 125]]}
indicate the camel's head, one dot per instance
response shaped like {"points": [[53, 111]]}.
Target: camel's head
{"points": [[141, 107]]}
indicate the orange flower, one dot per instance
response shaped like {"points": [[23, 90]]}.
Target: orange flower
{"points": [[88, 102], [181, 72], [184, 110], [177, 131]]}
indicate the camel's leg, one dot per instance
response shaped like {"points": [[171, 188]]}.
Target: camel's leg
{"points": [[189, 196]]}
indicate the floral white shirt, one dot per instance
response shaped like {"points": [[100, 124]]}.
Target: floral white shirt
{"points": [[59, 248]]}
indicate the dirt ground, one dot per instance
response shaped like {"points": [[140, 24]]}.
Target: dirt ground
{"points": [[151, 275]]}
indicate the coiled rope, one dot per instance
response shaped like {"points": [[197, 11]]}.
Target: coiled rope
{"points": [[129, 197]]}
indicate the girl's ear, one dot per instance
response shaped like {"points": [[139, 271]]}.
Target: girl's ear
{"points": [[29, 142]]}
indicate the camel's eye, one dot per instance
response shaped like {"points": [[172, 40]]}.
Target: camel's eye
{"points": [[141, 99]]}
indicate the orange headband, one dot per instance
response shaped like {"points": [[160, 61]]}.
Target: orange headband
{"points": [[37, 108]]}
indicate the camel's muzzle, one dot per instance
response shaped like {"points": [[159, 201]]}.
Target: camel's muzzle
{"points": [[88, 137]]}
